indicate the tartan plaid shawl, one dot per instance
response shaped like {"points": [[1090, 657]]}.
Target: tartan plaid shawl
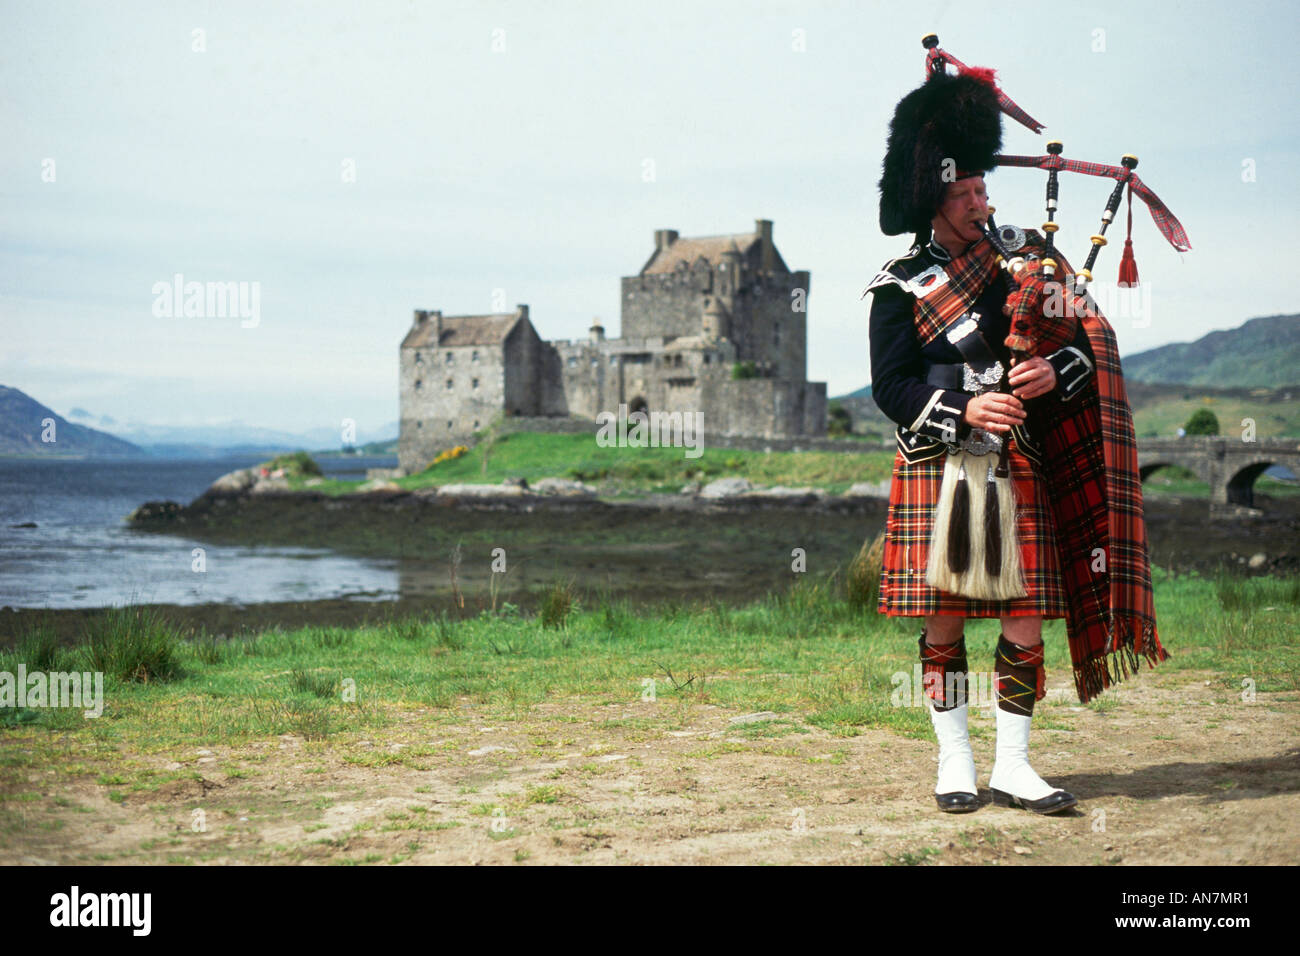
{"points": [[1090, 466]]}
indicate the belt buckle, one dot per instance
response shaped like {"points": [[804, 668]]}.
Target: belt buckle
{"points": [[981, 441]]}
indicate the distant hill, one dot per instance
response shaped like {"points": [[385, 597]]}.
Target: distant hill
{"points": [[1261, 353], [863, 392], [219, 440], [1252, 371], [22, 424]]}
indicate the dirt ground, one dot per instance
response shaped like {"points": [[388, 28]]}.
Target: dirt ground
{"points": [[1176, 769]]}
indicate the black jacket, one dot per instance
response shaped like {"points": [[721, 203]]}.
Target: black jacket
{"points": [[899, 363]]}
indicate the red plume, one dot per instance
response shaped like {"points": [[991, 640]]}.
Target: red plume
{"points": [[985, 74]]}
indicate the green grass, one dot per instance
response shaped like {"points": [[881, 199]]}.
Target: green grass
{"points": [[807, 654], [132, 643], [628, 472], [538, 455], [1273, 418]]}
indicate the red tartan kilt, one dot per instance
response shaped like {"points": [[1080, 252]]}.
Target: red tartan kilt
{"points": [[913, 494]]}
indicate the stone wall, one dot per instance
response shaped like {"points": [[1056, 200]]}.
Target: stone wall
{"points": [[434, 416], [664, 305], [765, 408]]}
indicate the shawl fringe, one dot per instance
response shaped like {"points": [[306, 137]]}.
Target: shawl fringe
{"points": [[1095, 674]]}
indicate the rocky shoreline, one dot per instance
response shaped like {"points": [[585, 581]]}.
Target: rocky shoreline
{"points": [[511, 494], [384, 519]]}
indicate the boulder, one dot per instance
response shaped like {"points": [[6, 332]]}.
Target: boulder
{"points": [[563, 486], [263, 486], [155, 511], [234, 483], [780, 491], [481, 491], [726, 488]]}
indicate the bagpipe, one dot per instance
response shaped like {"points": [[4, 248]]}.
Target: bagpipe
{"points": [[976, 556]]}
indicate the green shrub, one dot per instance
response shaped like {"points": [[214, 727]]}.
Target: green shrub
{"points": [[1202, 422], [838, 420], [556, 604], [316, 684], [296, 465], [40, 650], [132, 643], [210, 649]]}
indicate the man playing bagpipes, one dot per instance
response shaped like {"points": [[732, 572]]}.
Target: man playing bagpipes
{"points": [[1015, 490]]}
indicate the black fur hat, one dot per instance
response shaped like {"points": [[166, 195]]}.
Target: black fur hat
{"points": [[947, 117]]}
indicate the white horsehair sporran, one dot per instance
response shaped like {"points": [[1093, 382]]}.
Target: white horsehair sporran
{"points": [[974, 548]]}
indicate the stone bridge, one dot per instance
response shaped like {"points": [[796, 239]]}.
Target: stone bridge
{"points": [[1229, 465]]}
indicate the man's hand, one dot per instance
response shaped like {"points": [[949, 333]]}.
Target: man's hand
{"points": [[1032, 377], [994, 412]]}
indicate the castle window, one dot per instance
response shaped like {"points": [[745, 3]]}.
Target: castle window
{"points": [[476, 423], [418, 384], [448, 383], [419, 359], [449, 424], [449, 358], [473, 383], [419, 424], [707, 356]]}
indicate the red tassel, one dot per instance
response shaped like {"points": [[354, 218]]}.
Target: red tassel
{"points": [[1128, 267]]}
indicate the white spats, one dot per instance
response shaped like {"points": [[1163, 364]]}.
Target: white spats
{"points": [[1011, 771], [956, 761]]}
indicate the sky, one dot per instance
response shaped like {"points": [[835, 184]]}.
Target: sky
{"points": [[352, 162]]}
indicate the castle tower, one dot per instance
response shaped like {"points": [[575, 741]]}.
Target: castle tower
{"points": [[716, 323]]}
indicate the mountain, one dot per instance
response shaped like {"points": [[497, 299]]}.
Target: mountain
{"points": [[1261, 353], [225, 438], [863, 392], [23, 426]]}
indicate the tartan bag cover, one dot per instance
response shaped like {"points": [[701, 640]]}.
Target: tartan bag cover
{"points": [[1089, 464]]}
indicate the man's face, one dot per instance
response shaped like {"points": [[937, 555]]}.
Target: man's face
{"points": [[965, 203]]}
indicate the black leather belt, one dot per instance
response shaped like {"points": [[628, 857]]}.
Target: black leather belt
{"points": [[942, 375]]}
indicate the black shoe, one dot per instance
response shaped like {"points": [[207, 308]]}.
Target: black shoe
{"points": [[1052, 803], [957, 802]]}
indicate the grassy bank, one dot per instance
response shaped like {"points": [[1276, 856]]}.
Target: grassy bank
{"points": [[631, 472], [810, 657], [627, 471]]}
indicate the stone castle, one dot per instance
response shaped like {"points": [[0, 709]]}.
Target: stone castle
{"points": [[697, 309]]}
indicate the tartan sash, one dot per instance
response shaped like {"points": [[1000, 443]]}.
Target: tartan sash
{"points": [[965, 277], [1089, 463]]}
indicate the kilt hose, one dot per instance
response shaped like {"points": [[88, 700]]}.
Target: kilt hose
{"points": [[913, 496]]}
